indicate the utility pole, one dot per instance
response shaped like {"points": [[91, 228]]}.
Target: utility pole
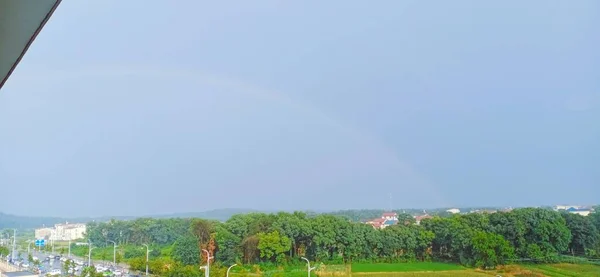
{"points": [[69, 248]]}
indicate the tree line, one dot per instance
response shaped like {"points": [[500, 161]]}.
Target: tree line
{"points": [[476, 239]]}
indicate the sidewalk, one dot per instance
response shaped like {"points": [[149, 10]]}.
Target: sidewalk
{"points": [[6, 267]]}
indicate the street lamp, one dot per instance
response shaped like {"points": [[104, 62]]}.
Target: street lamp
{"points": [[114, 252], [205, 269], [230, 269], [208, 257], [147, 257], [308, 266], [29, 247], [90, 253], [14, 243]]}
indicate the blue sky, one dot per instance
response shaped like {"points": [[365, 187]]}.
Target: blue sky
{"points": [[147, 107]]}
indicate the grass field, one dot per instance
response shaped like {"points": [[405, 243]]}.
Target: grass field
{"points": [[404, 267], [564, 270], [451, 270]]}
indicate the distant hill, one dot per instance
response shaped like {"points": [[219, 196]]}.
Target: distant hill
{"points": [[220, 214], [27, 222]]}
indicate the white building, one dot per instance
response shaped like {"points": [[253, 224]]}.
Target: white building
{"points": [[70, 231], [62, 232], [44, 233], [390, 216], [583, 212], [565, 207], [453, 211]]}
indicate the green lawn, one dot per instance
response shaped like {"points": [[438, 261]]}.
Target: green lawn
{"points": [[565, 270], [404, 267]]}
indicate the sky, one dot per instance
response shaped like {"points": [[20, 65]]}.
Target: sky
{"points": [[154, 107]]}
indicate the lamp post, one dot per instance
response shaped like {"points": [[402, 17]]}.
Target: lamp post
{"points": [[208, 257], [308, 266], [90, 253], [69, 248], [147, 257], [14, 243], [29, 247], [230, 269], [114, 252]]}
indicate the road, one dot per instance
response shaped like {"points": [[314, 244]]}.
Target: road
{"points": [[49, 263]]}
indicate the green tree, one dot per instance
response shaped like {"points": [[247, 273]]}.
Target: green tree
{"points": [[227, 251], [119, 257], [491, 250], [324, 243], [273, 246], [585, 236], [249, 249], [179, 270], [186, 251], [424, 243], [91, 271], [546, 229], [68, 267], [4, 251]]}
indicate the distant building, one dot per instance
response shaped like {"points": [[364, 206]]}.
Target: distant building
{"points": [[419, 218], [583, 212], [62, 232], [484, 211], [386, 219], [390, 216], [377, 223], [565, 207], [453, 211], [44, 233]]}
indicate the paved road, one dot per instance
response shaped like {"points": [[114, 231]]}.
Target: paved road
{"points": [[48, 264]]}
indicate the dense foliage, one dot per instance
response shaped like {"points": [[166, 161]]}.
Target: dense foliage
{"points": [[4, 251], [478, 240]]}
